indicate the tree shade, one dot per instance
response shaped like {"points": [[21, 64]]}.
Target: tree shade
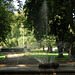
{"points": [[5, 18], [60, 19]]}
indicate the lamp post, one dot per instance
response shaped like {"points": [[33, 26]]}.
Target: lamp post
{"points": [[23, 34]]}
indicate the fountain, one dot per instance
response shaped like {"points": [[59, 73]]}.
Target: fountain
{"points": [[45, 63]]}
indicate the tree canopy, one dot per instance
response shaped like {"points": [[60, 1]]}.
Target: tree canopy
{"points": [[5, 18], [60, 17], [35, 18]]}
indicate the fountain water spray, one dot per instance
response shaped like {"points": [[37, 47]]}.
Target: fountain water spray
{"points": [[45, 59]]}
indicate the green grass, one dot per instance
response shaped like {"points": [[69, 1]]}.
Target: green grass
{"points": [[40, 53], [37, 50], [49, 55], [1, 57]]}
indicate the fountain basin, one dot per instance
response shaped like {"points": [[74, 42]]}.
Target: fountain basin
{"points": [[34, 70], [63, 69], [49, 65]]}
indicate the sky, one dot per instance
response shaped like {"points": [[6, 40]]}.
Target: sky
{"points": [[15, 3], [23, 1]]}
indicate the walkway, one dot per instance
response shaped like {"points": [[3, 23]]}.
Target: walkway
{"points": [[18, 58]]}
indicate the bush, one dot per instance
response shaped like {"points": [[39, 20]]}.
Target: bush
{"points": [[20, 40], [12, 49]]}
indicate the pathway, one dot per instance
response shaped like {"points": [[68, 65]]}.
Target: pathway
{"points": [[18, 58]]}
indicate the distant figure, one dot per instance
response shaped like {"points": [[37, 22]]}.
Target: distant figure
{"points": [[25, 49], [0, 48], [28, 50], [25, 43], [43, 48]]}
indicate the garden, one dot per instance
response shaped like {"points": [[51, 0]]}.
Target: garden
{"points": [[37, 36]]}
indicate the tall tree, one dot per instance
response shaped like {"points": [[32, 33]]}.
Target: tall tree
{"points": [[5, 19], [35, 18], [60, 20]]}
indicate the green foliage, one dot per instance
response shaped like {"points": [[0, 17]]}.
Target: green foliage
{"points": [[20, 40], [35, 19], [13, 42], [40, 55], [4, 24], [2, 56], [59, 17], [5, 19], [9, 43], [15, 31], [15, 36]]}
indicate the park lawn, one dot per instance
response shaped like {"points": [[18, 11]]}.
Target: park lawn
{"points": [[2, 56], [40, 53], [49, 55], [37, 50]]}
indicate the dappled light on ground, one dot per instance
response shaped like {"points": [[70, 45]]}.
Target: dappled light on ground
{"points": [[21, 65], [29, 58], [16, 65], [5, 65], [15, 55], [2, 65], [24, 54]]}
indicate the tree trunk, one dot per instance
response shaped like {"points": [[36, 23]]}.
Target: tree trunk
{"points": [[70, 52], [73, 51], [43, 49], [49, 49], [60, 50], [40, 44], [72, 48]]}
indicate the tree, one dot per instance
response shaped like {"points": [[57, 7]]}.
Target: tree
{"points": [[61, 19], [5, 19], [36, 22], [15, 32], [60, 16]]}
